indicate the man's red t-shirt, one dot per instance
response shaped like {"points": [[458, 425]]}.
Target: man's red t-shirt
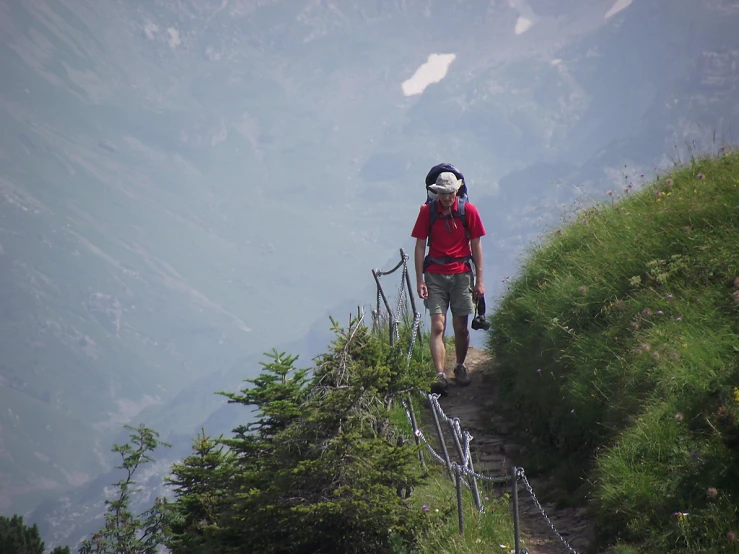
{"points": [[451, 242]]}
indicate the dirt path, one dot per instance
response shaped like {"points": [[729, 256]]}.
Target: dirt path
{"points": [[495, 453]]}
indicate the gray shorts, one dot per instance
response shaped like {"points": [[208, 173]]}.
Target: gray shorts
{"points": [[447, 291]]}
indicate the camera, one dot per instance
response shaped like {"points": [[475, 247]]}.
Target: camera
{"points": [[478, 321]]}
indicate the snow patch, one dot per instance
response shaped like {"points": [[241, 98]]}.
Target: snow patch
{"points": [[522, 25], [620, 5], [151, 29], [174, 38], [433, 71]]}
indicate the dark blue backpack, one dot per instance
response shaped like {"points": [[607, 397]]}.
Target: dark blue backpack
{"points": [[431, 177]]}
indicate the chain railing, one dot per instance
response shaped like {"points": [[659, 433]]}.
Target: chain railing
{"points": [[461, 471]]}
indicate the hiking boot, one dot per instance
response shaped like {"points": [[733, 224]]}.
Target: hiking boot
{"points": [[441, 385], [460, 375]]}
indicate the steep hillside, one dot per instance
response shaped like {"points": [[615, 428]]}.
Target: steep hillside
{"points": [[617, 346]]}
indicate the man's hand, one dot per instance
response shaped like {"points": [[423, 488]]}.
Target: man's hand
{"points": [[423, 291], [479, 291]]}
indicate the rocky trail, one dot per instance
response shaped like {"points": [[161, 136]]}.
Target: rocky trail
{"points": [[494, 450]]}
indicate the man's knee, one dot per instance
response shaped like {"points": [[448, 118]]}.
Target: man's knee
{"points": [[438, 322], [460, 325]]}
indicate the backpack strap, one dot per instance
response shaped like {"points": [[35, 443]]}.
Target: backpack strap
{"points": [[460, 214]]}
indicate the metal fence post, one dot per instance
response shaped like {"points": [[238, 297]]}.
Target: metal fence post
{"points": [[387, 306], [470, 478], [458, 480], [514, 499], [473, 485], [412, 413], [440, 433], [410, 293]]}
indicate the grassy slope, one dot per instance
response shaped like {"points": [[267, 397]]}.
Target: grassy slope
{"points": [[619, 343]]}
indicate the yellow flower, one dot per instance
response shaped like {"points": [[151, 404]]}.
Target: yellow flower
{"points": [[736, 394]]}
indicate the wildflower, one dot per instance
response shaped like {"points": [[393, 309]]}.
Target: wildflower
{"points": [[735, 295], [711, 492], [674, 356], [572, 411], [678, 319], [660, 312], [735, 393], [582, 289], [634, 325], [655, 355], [620, 305], [679, 416], [700, 177], [681, 516], [539, 371], [669, 297], [425, 508], [646, 312], [478, 541], [731, 536], [668, 182], [736, 282], [487, 498], [610, 193]]}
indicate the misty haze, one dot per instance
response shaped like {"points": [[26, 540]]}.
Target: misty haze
{"points": [[186, 185]]}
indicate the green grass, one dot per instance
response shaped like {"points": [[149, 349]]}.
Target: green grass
{"points": [[483, 532], [487, 531], [618, 344]]}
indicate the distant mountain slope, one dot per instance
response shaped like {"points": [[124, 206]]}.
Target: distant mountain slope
{"points": [[179, 180]]}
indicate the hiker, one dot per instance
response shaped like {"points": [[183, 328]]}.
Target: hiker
{"points": [[444, 278]]}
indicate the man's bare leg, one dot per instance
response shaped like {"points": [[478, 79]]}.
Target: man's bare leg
{"points": [[461, 344], [461, 337], [436, 341]]}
